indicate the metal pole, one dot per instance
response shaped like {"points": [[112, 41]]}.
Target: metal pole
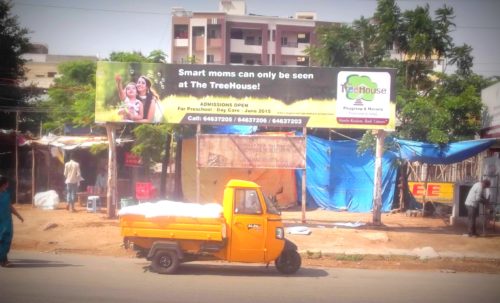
{"points": [[304, 194], [16, 152]]}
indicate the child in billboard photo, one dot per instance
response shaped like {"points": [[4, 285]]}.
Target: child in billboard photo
{"points": [[151, 109], [131, 108]]}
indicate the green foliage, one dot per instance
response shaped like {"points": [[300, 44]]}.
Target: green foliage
{"points": [[150, 142], [342, 45], [336, 46], [417, 32], [443, 25], [370, 48], [367, 143], [98, 148], [157, 56], [388, 18], [127, 57], [13, 43], [430, 107], [71, 98], [347, 257], [462, 57]]}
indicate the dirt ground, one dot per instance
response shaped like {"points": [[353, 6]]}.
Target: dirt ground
{"points": [[60, 231]]}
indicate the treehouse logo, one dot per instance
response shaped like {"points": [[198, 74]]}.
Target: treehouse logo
{"points": [[361, 88]]}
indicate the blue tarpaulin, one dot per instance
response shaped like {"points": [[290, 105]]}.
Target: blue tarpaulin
{"points": [[442, 154], [340, 179]]}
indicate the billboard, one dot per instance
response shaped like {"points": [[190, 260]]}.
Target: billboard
{"points": [[435, 191], [246, 95], [252, 151]]}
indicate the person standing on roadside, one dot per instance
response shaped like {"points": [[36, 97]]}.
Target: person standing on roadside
{"points": [[73, 177], [6, 226], [476, 195]]}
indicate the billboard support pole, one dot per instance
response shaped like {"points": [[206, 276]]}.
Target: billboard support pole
{"points": [[304, 132], [111, 191], [377, 189]]}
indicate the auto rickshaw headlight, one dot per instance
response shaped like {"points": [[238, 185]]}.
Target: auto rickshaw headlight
{"points": [[280, 233]]}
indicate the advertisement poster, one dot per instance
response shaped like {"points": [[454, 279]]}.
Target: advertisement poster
{"points": [[279, 96], [364, 98]]}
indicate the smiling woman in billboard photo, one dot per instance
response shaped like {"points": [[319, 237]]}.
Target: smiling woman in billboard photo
{"points": [[141, 100]]}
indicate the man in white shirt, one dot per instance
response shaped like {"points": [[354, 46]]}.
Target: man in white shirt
{"points": [[73, 177], [476, 195]]}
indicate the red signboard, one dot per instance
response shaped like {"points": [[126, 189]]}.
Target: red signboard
{"points": [[132, 160]]}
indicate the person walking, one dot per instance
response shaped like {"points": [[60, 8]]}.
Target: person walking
{"points": [[6, 226], [73, 177], [476, 196]]}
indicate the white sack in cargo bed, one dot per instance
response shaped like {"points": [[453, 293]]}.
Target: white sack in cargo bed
{"points": [[166, 208]]}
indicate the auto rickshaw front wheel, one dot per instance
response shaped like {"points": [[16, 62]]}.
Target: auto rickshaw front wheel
{"points": [[288, 262]]}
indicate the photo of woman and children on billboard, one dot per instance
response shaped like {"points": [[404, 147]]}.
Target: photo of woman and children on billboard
{"points": [[129, 92]]}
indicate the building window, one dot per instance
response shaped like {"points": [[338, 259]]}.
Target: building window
{"points": [[180, 32], [212, 34], [210, 59], [51, 74], [284, 41], [249, 62], [213, 31], [303, 38], [303, 61], [250, 40], [236, 58], [236, 33], [198, 31]]}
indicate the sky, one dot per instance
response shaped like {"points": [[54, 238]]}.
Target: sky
{"points": [[99, 27]]}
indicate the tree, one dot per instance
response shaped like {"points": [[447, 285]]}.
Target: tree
{"points": [[127, 57], [388, 19], [13, 43], [461, 56], [150, 142], [72, 96], [443, 25], [336, 46], [343, 45], [370, 48], [157, 56]]}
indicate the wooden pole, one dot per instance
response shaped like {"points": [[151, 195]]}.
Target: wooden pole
{"points": [[178, 169], [198, 172], [377, 189], [304, 189], [49, 169], [164, 167], [33, 174], [111, 194], [16, 153]]}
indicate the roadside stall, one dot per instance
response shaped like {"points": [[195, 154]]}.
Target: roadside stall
{"points": [[51, 153]]}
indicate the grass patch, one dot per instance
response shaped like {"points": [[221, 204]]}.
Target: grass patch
{"points": [[351, 258]]}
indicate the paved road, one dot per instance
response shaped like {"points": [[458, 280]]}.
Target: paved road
{"points": [[42, 277]]}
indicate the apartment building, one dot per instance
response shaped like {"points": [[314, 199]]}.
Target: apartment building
{"points": [[231, 36], [41, 68]]}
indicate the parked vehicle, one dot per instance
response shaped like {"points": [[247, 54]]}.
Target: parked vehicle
{"points": [[248, 228]]}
